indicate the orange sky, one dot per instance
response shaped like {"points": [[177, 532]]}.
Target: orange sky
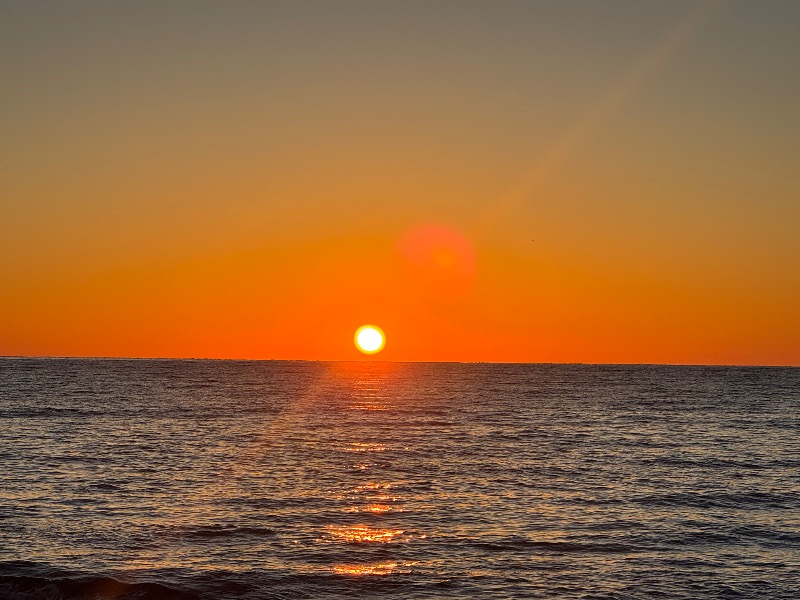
{"points": [[510, 181]]}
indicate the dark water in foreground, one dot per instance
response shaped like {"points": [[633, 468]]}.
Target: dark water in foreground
{"points": [[222, 479]]}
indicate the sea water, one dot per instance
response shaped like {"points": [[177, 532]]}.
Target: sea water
{"points": [[228, 479]]}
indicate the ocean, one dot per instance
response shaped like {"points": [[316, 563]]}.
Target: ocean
{"points": [[269, 479]]}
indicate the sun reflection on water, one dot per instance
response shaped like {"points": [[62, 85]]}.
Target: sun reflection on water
{"points": [[386, 568], [377, 501], [366, 447], [359, 534], [374, 508], [369, 393], [378, 569]]}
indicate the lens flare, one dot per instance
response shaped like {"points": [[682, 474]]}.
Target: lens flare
{"points": [[440, 258], [369, 339]]}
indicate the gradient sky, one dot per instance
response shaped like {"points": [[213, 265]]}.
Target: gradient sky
{"points": [[534, 181]]}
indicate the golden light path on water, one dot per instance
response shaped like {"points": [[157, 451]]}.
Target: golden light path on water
{"points": [[387, 568], [373, 497]]}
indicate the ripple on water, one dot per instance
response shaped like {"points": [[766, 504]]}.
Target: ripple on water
{"points": [[211, 479]]}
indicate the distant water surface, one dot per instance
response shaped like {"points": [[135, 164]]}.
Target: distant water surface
{"points": [[226, 479]]}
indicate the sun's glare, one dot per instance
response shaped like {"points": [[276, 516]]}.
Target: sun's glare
{"points": [[369, 339]]}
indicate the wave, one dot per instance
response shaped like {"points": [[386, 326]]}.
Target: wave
{"points": [[523, 544], [96, 588], [772, 500], [216, 531]]}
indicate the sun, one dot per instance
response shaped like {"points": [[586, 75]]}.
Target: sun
{"points": [[369, 339]]}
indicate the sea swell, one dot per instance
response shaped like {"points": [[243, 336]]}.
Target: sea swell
{"points": [[22, 587], [233, 480]]}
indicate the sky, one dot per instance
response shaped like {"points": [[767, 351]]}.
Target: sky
{"points": [[524, 181]]}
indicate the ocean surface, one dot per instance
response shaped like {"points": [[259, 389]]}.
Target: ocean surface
{"points": [[224, 479]]}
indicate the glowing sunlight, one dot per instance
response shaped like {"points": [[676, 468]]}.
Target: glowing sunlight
{"points": [[369, 339]]}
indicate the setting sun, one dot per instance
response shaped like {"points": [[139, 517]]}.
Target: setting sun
{"points": [[369, 339]]}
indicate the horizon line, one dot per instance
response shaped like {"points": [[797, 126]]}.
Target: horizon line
{"points": [[463, 362]]}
